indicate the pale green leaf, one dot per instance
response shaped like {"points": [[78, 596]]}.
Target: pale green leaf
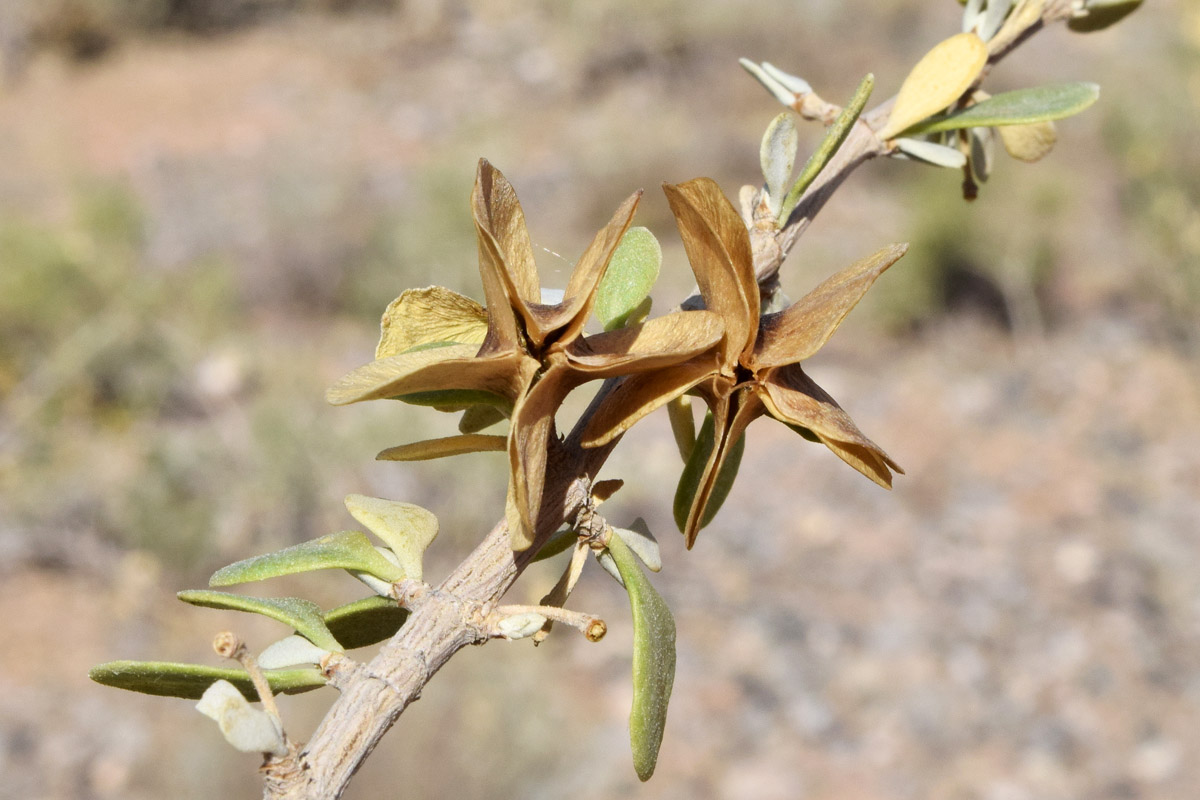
{"points": [[629, 278], [777, 156], [350, 550], [406, 528], [304, 616], [653, 659], [189, 681], [1022, 107]]}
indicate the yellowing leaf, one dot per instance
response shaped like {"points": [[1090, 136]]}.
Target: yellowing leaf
{"points": [[426, 316], [406, 528], [937, 80], [441, 448], [1028, 142]]}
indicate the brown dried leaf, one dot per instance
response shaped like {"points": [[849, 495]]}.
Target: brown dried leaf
{"points": [[530, 439], [794, 398], [439, 368], [638, 395], [427, 316], [652, 345], [440, 448], [800, 330], [732, 413], [718, 247]]}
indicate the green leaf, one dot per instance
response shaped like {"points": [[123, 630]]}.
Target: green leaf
{"points": [[653, 659], [455, 399], [560, 542], [476, 418], [693, 472], [1100, 15], [683, 425], [629, 278], [777, 156], [350, 550], [168, 679], [406, 528], [365, 622], [304, 616], [834, 137], [1039, 104]]}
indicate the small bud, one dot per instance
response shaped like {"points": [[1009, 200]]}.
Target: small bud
{"points": [[596, 630], [227, 644]]}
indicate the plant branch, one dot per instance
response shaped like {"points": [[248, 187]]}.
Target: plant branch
{"points": [[453, 615]]}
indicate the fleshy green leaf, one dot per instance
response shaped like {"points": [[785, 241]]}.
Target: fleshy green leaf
{"points": [[629, 278], [350, 550], [834, 137], [406, 528], [304, 616], [1100, 15], [777, 156], [168, 679], [365, 622], [1022, 107], [693, 471], [653, 659]]}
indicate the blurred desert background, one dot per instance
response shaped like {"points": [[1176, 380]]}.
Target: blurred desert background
{"points": [[206, 204]]}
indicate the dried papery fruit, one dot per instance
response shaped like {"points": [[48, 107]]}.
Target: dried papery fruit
{"points": [[757, 366]]}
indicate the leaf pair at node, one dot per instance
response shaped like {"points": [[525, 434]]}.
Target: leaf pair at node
{"points": [[943, 79]]}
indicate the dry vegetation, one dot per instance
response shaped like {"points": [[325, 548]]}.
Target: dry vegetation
{"points": [[200, 221]]}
